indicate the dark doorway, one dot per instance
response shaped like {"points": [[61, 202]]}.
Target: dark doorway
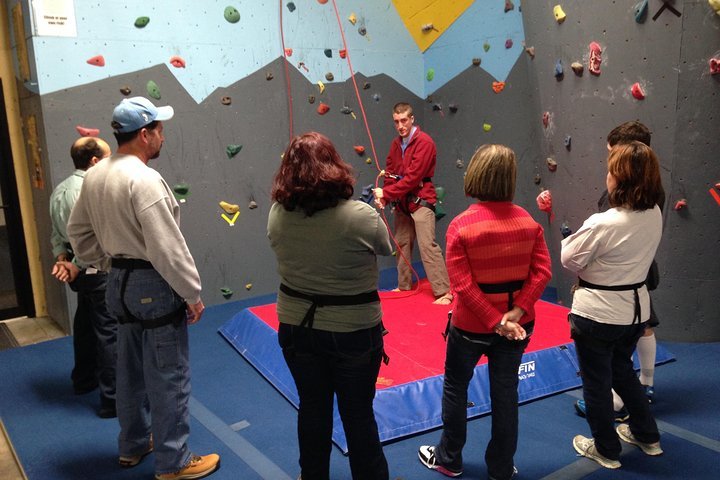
{"points": [[16, 296]]}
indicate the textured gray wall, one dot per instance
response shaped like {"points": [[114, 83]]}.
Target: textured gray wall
{"points": [[669, 57]]}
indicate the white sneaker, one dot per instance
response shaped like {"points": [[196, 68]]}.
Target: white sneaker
{"points": [[652, 449], [586, 447]]}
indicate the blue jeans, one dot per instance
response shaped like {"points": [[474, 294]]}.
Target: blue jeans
{"points": [[464, 350], [604, 353], [153, 372], [94, 336], [324, 364]]}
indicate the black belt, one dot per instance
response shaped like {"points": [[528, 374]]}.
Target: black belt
{"points": [[128, 265], [507, 287], [619, 288], [325, 300]]}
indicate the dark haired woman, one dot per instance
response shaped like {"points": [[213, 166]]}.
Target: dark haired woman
{"points": [[612, 253], [328, 306]]}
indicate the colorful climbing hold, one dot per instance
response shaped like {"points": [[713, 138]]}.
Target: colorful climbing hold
{"points": [[437, 107], [565, 230], [508, 43], [231, 14], [249, 286], [637, 91], [486, 46], [153, 90], [595, 58], [428, 27], [323, 108], [342, 53], [181, 190], [368, 160], [226, 292], [498, 86], [559, 14], [125, 90], [311, 99], [321, 86], [714, 64], [577, 68], [509, 5], [376, 97], [87, 132], [430, 74], [531, 52], [366, 86], [459, 164], [568, 142], [177, 61], [641, 9], [715, 5], [291, 6], [546, 119], [229, 208], [544, 203], [252, 205], [359, 149], [551, 164], [476, 62], [328, 52], [362, 30], [352, 18], [226, 100], [288, 52], [537, 179], [714, 193], [141, 22], [487, 127], [329, 77], [345, 110], [559, 70], [96, 61], [453, 108], [232, 150], [680, 204], [269, 76]]}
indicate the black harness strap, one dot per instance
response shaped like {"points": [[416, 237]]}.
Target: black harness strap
{"points": [[619, 288], [128, 265], [507, 287]]}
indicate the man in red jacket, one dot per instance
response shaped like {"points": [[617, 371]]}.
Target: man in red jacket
{"points": [[410, 166]]}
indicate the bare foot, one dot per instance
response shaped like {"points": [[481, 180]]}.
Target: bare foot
{"points": [[444, 300]]}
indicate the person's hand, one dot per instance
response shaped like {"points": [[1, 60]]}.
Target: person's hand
{"points": [[512, 330], [194, 312], [379, 200], [65, 271]]}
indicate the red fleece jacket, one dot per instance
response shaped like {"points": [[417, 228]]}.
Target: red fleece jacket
{"points": [[417, 163]]}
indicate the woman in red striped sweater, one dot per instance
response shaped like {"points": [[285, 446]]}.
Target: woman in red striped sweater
{"points": [[498, 265]]}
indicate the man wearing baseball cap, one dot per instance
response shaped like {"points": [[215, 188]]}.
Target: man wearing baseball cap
{"points": [[128, 219]]}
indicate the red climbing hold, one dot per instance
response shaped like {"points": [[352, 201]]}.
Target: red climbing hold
{"points": [[323, 108], [87, 132], [322, 2], [498, 86], [343, 53], [97, 60], [288, 52], [546, 119], [637, 91], [595, 58], [714, 65], [680, 204], [359, 149], [177, 61], [544, 203]]}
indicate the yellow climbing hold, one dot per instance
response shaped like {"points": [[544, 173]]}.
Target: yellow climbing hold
{"points": [[487, 127], [559, 14], [352, 18], [248, 286], [321, 86], [229, 207]]}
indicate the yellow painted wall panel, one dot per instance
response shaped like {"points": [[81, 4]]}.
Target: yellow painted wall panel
{"points": [[419, 15]]}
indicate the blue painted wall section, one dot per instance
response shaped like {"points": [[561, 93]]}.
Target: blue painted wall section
{"points": [[219, 53]]}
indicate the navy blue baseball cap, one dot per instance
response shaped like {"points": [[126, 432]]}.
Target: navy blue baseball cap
{"points": [[134, 113]]}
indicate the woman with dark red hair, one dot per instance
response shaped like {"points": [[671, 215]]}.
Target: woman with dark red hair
{"points": [[328, 306]]}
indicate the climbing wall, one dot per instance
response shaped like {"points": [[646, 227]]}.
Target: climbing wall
{"points": [[668, 58]]}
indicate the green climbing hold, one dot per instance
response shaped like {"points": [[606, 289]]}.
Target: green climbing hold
{"points": [[440, 193], [153, 90], [233, 150], [232, 15], [487, 127], [486, 46], [430, 74], [140, 22], [226, 292], [181, 190]]}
